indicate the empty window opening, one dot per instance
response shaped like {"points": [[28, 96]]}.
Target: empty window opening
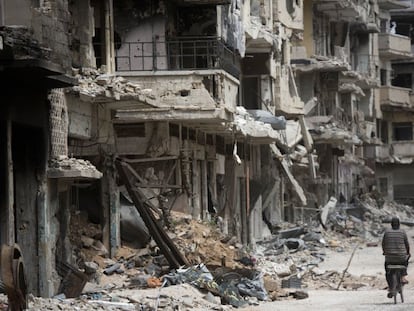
{"points": [[402, 131], [383, 130], [383, 77], [403, 80], [251, 92]]}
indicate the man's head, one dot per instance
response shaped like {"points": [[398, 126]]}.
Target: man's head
{"points": [[395, 223]]}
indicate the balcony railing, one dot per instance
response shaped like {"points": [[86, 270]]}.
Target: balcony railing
{"points": [[394, 46], [187, 53]]}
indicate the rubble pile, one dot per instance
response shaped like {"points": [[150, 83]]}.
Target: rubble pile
{"points": [[97, 86], [222, 274], [200, 242], [65, 163]]}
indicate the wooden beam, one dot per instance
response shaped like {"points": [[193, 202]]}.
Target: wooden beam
{"points": [[150, 159], [140, 185]]}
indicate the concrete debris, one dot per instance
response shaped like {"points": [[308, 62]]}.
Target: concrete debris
{"points": [[291, 136], [363, 81], [321, 63], [251, 126], [334, 134], [71, 168], [277, 123], [281, 267], [95, 86], [351, 88]]}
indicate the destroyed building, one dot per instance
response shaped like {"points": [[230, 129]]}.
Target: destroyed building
{"points": [[394, 156], [248, 113]]}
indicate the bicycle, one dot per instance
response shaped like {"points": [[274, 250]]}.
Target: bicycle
{"points": [[396, 286]]}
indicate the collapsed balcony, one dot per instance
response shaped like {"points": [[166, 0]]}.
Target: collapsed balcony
{"points": [[186, 53]]}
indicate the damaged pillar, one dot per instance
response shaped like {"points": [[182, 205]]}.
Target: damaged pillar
{"points": [[111, 206], [109, 36], [196, 213], [46, 288], [204, 189], [8, 230], [1, 12]]}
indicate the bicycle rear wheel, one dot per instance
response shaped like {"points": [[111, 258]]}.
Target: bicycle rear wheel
{"points": [[394, 286]]}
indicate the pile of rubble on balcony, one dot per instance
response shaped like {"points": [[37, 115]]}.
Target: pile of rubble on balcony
{"points": [[221, 273], [65, 167], [96, 86]]}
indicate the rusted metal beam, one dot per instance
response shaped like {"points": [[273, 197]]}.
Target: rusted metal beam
{"points": [[166, 245]]}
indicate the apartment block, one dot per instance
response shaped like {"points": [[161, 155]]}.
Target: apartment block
{"points": [[395, 111]]}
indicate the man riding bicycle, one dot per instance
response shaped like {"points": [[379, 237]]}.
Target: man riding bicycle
{"points": [[396, 249]]}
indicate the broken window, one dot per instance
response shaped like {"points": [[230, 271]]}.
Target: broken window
{"points": [[402, 131]]}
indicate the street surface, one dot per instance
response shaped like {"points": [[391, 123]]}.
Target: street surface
{"points": [[366, 261]]}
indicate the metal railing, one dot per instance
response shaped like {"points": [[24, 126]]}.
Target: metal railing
{"points": [[184, 53]]}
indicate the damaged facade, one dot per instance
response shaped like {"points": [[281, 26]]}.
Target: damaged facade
{"points": [[247, 113], [394, 157]]}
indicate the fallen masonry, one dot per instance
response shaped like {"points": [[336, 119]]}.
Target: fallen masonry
{"points": [[222, 274]]}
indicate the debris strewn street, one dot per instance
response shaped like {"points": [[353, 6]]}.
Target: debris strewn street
{"points": [[298, 261]]}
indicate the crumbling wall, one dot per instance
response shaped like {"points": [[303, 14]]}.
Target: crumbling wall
{"points": [[184, 90], [138, 26], [51, 27], [82, 30], [80, 117], [58, 120], [231, 26], [289, 13]]}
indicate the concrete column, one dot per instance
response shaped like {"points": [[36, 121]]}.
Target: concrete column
{"points": [[109, 36], [110, 207], [1, 12], [44, 197], [204, 189], [196, 211]]}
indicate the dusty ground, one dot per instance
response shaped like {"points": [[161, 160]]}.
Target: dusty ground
{"points": [[366, 261], [362, 288]]}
